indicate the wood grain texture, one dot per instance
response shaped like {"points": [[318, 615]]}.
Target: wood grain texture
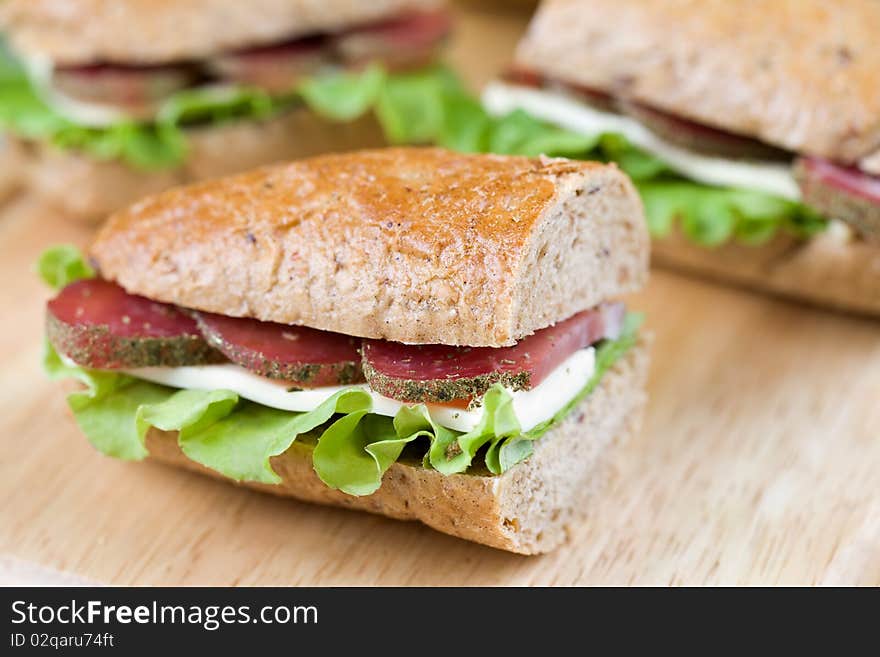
{"points": [[757, 463]]}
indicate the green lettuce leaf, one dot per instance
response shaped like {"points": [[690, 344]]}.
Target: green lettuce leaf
{"points": [[457, 451], [107, 408], [518, 133], [215, 104], [343, 96], [411, 106], [242, 444], [62, 264], [711, 216], [356, 450]]}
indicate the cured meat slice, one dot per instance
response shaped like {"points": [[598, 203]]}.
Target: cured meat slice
{"points": [[700, 137], [440, 373], [99, 325], [402, 43], [592, 97], [841, 192], [137, 90], [303, 356], [276, 68]]}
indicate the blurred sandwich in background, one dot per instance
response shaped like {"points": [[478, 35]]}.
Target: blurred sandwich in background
{"points": [[111, 100], [751, 129]]}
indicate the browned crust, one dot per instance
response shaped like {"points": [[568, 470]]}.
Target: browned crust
{"points": [[799, 74], [530, 509], [415, 245], [154, 31], [88, 190], [826, 270]]}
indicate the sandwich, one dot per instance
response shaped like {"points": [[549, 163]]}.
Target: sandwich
{"points": [[751, 129], [412, 332], [115, 99]]}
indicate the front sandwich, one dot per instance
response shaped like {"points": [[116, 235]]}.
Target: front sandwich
{"points": [[411, 332]]}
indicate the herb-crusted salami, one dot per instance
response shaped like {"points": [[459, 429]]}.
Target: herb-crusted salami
{"points": [[97, 324], [440, 373], [300, 355]]}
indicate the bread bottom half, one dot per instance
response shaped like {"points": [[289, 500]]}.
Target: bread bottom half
{"points": [[529, 509], [87, 189], [826, 270]]}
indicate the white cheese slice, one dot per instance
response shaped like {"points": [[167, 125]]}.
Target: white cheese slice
{"points": [[567, 112], [531, 406]]}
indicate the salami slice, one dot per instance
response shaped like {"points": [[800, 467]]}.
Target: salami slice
{"points": [[99, 325], [402, 43], [440, 374], [303, 356], [841, 192], [137, 90], [275, 68]]}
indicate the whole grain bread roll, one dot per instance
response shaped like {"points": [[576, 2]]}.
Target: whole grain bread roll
{"points": [[799, 74], [161, 31], [831, 269], [415, 245], [87, 189], [529, 509]]}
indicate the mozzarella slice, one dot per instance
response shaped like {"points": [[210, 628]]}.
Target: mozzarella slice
{"points": [[567, 112], [531, 406]]}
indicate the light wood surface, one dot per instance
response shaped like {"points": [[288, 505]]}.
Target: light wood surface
{"points": [[758, 464]]}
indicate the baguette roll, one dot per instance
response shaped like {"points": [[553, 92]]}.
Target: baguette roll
{"points": [[411, 245]]}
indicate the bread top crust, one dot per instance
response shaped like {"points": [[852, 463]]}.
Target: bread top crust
{"points": [[159, 31], [415, 245], [800, 74]]}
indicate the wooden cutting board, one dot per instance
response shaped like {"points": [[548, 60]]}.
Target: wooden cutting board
{"points": [[759, 462]]}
